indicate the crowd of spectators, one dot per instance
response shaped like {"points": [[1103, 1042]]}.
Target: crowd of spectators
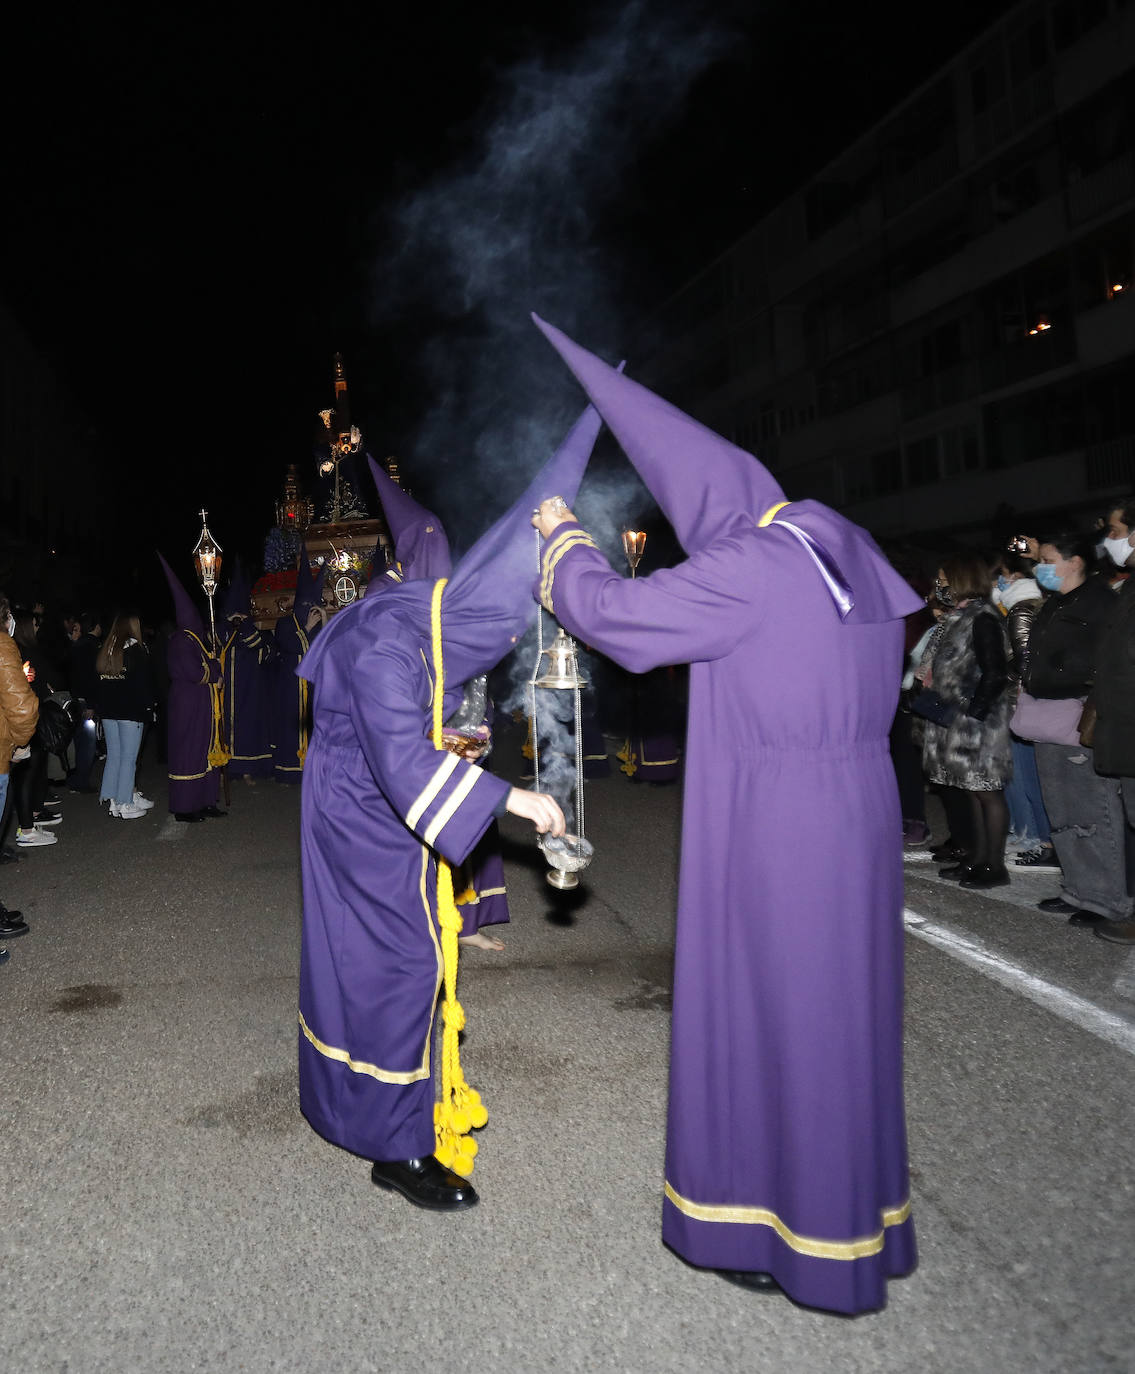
{"points": [[1018, 710], [69, 695]]}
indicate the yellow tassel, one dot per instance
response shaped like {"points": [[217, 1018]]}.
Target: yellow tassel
{"points": [[460, 1109], [629, 764]]}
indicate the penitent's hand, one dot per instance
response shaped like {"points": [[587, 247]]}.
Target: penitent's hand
{"points": [[552, 513], [543, 811]]}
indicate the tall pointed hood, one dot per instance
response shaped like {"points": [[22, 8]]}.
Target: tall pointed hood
{"points": [[700, 480], [420, 545], [238, 595], [705, 486], [309, 589], [185, 612], [487, 604]]}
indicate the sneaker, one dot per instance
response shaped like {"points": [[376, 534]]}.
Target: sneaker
{"points": [[1039, 860], [144, 802], [4, 956], [52, 802], [129, 812], [28, 839], [42, 819]]}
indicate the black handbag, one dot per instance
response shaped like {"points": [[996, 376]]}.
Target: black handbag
{"points": [[934, 707], [56, 727]]}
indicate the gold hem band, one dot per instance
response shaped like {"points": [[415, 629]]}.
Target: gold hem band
{"points": [[803, 1245]]}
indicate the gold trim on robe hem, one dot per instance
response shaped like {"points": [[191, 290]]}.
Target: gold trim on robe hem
{"points": [[475, 900], [803, 1245], [358, 1066], [188, 777], [372, 1070]]}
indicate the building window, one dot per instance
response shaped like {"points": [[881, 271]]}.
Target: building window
{"points": [[922, 461], [1071, 19]]}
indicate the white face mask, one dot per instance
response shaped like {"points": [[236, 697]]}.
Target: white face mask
{"points": [[11, 626], [1118, 550]]}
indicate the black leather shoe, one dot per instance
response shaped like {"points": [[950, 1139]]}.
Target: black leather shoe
{"points": [[12, 924], [962, 870], [948, 854], [984, 876], [1057, 906], [1088, 918], [4, 956], [755, 1279], [426, 1183], [212, 812], [188, 816]]}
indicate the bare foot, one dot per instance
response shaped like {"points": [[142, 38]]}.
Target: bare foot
{"points": [[481, 941]]}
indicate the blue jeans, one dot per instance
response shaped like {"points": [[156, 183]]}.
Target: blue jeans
{"points": [[1027, 816], [123, 738], [3, 791]]}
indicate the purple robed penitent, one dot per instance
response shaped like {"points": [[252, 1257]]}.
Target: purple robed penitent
{"points": [[421, 551], [249, 658], [786, 1146], [193, 783], [289, 709], [379, 805]]}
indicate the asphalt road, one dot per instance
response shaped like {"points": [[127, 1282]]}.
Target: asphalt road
{"points": [[166, 1207]]}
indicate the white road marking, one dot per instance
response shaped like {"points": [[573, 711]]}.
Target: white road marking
{"points": [[1078, 1010], [1124, 983]]}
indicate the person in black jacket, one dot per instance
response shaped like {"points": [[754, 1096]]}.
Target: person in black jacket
{"points": [[1113, 693], [125, 700], [84, 686], [1085, 810], [970, 751]]}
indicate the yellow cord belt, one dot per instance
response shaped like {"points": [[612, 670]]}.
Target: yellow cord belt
{"points": [[218, 754], [305, 698], [460, 1109]]}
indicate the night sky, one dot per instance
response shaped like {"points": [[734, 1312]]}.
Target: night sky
{"points": [[202, 206]]}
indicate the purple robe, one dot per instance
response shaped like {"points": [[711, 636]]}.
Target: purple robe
{"points": [[483, 874], [379, 803], [249, 656], [786, 1146], [290, 713], [193, 784]]}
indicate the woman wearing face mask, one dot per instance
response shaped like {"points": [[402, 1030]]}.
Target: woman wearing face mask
{"points": [[1085, 810], [1114, 691], [1018, 595], [970, 751]]}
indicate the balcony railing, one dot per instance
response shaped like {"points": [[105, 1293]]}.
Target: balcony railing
{"points": [[1029, 358], [1097, 193]]}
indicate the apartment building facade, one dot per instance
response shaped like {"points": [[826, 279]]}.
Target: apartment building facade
{"points": [[937, 331]]}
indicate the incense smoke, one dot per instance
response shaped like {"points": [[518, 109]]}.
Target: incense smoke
{"points": [[515, 229]]}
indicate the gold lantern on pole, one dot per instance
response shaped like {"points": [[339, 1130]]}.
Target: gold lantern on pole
{"points": [[207, 562]]}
